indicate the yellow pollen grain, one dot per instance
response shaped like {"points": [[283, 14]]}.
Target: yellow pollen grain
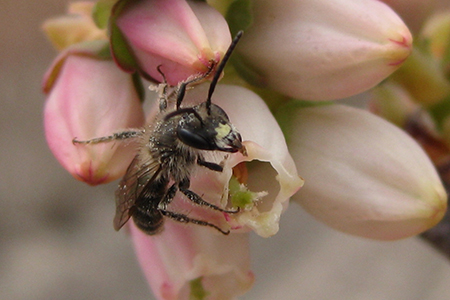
{"points": [[222, 130]]}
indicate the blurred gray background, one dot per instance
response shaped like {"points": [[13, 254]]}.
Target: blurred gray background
{"points": [[56, 235]]}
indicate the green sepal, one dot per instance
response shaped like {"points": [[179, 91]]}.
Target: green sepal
{"points": [[52, 74], [101, 13], [121, 50], [198, 291], [239, 16], [220, 5]]}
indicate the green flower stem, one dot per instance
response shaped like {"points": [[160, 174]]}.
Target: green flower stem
{"points": [[423, 78]]}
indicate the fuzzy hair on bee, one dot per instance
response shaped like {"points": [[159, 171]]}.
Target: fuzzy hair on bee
{"points": [[168, 151]]}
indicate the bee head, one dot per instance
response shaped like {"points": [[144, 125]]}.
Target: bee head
{"points": [[208, 128]]}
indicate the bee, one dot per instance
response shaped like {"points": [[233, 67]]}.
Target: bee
{"points": [[169, 149]]}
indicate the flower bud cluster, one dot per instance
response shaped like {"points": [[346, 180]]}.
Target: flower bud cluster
{"points": [[361, 174]]}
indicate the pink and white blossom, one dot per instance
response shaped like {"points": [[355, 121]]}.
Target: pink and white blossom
{"points": [[90, 98], [269, 164], [321, 49], [221, 263], [184, 37], [363, 175]]}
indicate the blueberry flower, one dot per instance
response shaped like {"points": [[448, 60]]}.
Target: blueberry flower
{"points": [[349, 168]]}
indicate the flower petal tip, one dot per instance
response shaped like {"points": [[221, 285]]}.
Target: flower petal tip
{"points": [[402, 48], [86, 173], [440, 208]]}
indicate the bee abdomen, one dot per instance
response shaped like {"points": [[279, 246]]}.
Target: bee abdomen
{"points": [[148, 220]]}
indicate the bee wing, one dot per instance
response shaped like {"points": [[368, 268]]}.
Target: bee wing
{"points": [[130, 187]]}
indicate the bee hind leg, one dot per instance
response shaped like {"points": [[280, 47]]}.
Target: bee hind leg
{"points": [[185, 219], [168, 197], [115, 136]]}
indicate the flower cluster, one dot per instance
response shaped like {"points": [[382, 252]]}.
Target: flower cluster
{"points": [[361, 174], [417, 97]]}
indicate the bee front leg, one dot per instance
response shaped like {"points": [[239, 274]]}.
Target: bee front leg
{"points": [[115, 136], [209, 165], [161, 89], [184, 188]]}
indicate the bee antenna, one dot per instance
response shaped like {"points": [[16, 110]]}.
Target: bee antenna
{"points": [[158, 68], [220, 68], [183, 86]]}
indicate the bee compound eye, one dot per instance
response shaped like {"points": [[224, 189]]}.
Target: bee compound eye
{"points": [[194, 138]]}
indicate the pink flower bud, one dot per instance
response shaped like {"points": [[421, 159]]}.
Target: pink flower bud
{"points": [[75, 27], [181, 36], [90, 98], [322, 49], [363, 175]]}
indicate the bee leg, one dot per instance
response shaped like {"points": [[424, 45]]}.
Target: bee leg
{"points": [[185, 219], [184, 188], [168, 197], [209, 165], [162, 91], [115, 136]]}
